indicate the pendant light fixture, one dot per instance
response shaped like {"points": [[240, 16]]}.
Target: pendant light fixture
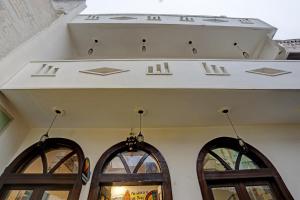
{"points": [[225, 111], [57, 112], [133, 140]]}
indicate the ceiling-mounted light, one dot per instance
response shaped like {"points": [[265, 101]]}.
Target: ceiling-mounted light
{"points": [[244, 53], [225, 111], [194, 50], [144, 48], [91, 50], [57, 112]]}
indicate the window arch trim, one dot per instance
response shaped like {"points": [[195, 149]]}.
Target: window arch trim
{"points": [[162, 178], [12, 176], [266, 172]]}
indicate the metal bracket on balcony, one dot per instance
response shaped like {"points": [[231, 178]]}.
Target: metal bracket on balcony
{"points": [[159, 70], [92, 17], [246, 21], [153, 18], [215, 70], [186, 19], [46, 70]]}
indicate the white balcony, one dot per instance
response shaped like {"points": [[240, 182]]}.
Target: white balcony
{"points": [[187, 95], [182, 74], [168, 36]]}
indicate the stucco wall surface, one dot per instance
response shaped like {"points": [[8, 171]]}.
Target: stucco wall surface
{"points": [[180, 147]]}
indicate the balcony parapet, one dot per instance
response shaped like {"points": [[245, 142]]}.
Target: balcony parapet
{"points": [[157, 74]]}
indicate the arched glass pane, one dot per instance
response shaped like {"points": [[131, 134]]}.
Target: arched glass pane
{"points": [[132, 158], [35, 167], [247, 163], [263, 192], [228, 155], [115, 166], [149, 166], [69, 166], [18, 194], [212, 164], [54, 156]]}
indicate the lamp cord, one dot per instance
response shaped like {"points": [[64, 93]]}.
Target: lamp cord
{"points": [[51, 124], [232, 125], [140, 122]]}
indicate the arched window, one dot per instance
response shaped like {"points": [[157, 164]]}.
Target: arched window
{"points": [[141, 173], [226, 171], [48, 170]]}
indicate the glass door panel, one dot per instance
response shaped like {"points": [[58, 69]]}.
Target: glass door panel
{"points": [[263, 192], [55, 195], [225, 193], [18, 195], [147, 192]]}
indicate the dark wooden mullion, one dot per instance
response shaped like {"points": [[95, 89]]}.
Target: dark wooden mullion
{"points": [[45, 162], [242, 192], [131, 179], [41, 179], [220, 160], [238, 161], [137, 167], [57, 165], [124, 163], [236, 175]]}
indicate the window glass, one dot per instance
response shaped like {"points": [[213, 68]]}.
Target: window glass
{"points": [[54, 156], [115, 166], [228, 155], [149, 166], [18, 195], [247, 163], [35, 167], [225, 193], [149, 192], [69, 166], [132, 158], [4, 120], [260, 192], [55, 195], [212, 164]]}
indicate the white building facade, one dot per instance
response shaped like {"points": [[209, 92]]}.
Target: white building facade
{"points": [[183, 72]]}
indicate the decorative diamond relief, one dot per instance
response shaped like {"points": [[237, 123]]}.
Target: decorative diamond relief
{"points": [[123, 18], [103, 71], [268, 71]]}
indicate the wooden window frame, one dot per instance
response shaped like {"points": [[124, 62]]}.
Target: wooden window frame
{"points": [[13, 179], [133, 179], [239, 178]]}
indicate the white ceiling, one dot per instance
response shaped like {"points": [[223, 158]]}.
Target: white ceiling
{"points": [[113, 108], [166, 40]]}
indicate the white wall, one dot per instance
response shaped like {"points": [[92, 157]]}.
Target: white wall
{"points": [[12, 136], [180, 147]]}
